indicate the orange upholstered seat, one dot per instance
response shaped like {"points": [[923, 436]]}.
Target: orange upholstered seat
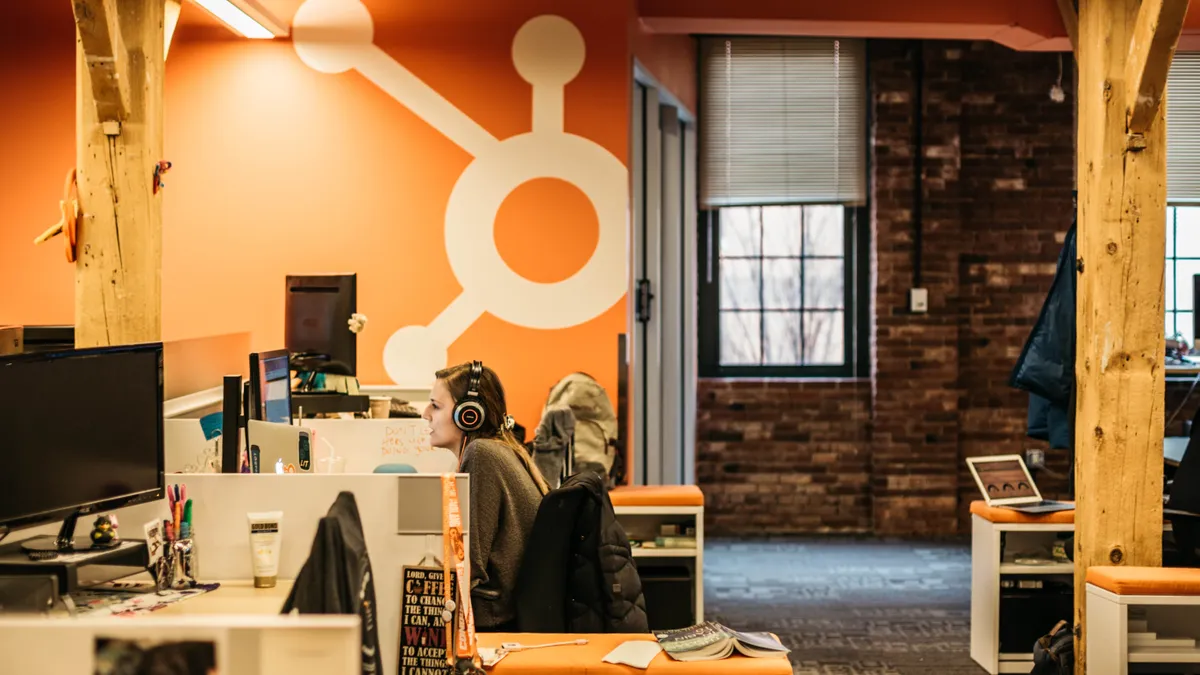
{"points": [[656, 495], [587, 658], [1146, 580], [999, 514]]}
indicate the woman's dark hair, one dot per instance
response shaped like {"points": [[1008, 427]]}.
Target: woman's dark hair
{"points": [[495, 410]]}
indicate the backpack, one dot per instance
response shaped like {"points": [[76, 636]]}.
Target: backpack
{"points": [[593, 443], [1054, 653]]}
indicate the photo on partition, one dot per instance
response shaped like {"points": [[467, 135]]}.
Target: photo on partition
{"points": [[155, 657]]}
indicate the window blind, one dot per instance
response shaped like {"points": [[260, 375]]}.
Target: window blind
{"points": [[783, 121], [1183, 129]]}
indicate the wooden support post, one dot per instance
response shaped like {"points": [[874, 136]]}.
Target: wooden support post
{"points": [[119, 140], [1119, 336]]}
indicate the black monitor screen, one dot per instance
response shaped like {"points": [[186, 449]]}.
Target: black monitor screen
{"points": [[77, 429], [316, 323]]}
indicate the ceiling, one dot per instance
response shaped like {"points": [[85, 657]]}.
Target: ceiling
{"points": [[1020, 24]]}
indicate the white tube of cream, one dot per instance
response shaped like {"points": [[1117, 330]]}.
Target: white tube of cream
{"points": [[265, 540]]}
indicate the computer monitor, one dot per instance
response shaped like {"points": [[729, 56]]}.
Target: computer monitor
{"points": [[270, 387], [82, 432], [317, 331]]}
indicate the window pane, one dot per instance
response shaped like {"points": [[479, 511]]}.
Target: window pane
{"points": [[782, 333], [1183, 325], [1169, 287], [740, 231], [740, 284], [1184, 270], [824, 233], [1169, 328], [781, 230], [781, 284], [824, 284], [1187, 231], [1170, 231], [741, 340], [824, 338]]}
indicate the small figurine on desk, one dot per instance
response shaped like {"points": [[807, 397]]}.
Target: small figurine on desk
{"points": [[104, 531]]}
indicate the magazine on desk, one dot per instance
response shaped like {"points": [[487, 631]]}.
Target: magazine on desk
{"points": [[710, 640]]}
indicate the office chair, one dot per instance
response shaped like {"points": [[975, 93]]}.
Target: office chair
{"points": [[1183, 503], [394, 468]]}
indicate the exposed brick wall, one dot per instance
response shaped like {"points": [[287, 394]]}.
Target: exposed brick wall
{"points": [[999, 158], [784, 456]]}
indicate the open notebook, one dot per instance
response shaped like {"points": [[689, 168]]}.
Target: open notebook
{"points": [[710, 641]]}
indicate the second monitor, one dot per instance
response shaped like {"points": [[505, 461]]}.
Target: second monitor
{"points": [[271, 387], [317, 331]]}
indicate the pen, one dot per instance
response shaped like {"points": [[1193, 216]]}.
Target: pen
{"points": [[187, 519]]}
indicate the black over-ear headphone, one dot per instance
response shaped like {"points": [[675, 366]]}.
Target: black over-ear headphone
{"points": [[468, 413]]}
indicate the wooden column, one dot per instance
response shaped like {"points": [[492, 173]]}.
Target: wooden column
{"points": [[1125, 48], [119, 139]]}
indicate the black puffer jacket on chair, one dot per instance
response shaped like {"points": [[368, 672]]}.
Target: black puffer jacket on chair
{"points": [[578, 574]]}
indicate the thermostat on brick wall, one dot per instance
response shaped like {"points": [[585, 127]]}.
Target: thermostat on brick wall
{"points": [[918, 300]]}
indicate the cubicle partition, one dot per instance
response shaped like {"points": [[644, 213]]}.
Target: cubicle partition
{"points": [[236, 645], [365, 445], [401, 516]]}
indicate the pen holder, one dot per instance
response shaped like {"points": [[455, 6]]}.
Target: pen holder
{"points": [[177, 568]]}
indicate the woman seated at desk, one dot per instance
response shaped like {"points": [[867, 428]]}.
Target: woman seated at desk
{"points": [[467, 415]]}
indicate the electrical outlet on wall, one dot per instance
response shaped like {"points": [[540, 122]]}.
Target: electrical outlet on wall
{"points": [[918, 300]]}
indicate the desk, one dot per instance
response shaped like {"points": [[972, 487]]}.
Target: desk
{"points": [[234, 597], [243, 598], [587, 658], [642, 510]]}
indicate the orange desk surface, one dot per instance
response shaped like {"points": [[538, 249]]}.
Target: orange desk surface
{"points": [[656, 495], [587, 658], [997, 514], [1146, 580]]}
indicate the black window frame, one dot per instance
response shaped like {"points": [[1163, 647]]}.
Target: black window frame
{"points": [[1170, 267], [856, 308]]}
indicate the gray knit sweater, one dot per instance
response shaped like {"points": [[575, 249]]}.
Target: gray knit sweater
{"points": [[504, 503]]}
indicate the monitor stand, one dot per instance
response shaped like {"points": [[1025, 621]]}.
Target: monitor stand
{"points": [[45, 548], [75, 563]]}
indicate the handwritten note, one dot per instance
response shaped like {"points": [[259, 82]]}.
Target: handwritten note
{"points": [[404, 439], [422, 629]]}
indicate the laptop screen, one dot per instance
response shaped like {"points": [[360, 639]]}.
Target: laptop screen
{"points": [[1004, 480]]}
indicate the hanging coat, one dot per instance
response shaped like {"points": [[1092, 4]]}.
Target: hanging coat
{"points": [[1046, 367]]}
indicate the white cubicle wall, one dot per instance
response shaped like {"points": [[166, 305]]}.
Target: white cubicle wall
{"points": [[243, 644], [401, 516], [365, 445]]}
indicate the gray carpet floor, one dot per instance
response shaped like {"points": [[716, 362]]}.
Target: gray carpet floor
{"points": [[849, 606]]}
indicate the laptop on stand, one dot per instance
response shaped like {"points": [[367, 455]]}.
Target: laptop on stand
{"points": [[1004, 481]]}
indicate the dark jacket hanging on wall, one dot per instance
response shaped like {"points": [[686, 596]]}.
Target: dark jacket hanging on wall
{"points": [[336, 578], [578, 574], [1046, 368]]}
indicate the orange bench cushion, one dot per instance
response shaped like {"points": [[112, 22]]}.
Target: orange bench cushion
{"points": [[999, 514], [1146, 580], [656, 495], [587, 658]]}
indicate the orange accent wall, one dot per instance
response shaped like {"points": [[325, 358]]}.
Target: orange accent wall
{"points": [[37, 114], [281, 169]]}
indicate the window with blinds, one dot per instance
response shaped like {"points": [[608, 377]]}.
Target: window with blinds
{"points": [[783, 121], [1183, 129]]}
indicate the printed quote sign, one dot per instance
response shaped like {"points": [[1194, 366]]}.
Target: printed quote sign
{"points": [[422, 629]]}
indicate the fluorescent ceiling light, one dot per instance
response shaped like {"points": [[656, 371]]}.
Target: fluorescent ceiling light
{"points": [[246, 17]]}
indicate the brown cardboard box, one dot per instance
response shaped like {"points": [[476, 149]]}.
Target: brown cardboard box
{"points": [[12, 340]]}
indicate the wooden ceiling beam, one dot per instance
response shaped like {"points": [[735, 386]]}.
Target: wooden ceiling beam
{"points": [[1151, 49], [103, 52]]}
